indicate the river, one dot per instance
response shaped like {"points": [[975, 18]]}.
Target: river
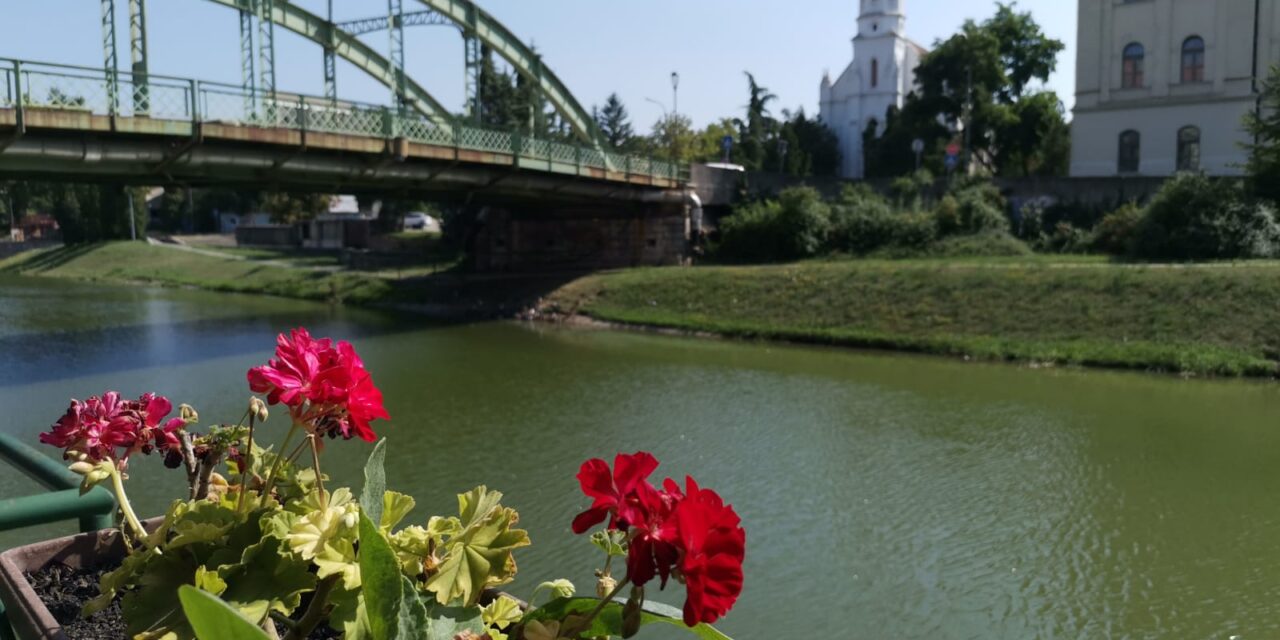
{"points": [[884, 496]]}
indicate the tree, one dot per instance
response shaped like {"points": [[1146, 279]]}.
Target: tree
{"points": [[754, 131], [708, 145], [289, 208], [1263, 166], [614, 122], [975, 82], [673, 138]]}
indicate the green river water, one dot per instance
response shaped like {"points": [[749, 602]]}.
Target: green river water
{"points": [[884, 496]]}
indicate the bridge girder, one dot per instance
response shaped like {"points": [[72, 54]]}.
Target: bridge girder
{"points": [[476, 22], [320, 31]]}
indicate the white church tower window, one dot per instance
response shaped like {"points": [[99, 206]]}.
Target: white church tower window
{"points": [[879, 77]]}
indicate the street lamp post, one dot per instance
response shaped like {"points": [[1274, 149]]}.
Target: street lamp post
{"points": [[675, 92]]}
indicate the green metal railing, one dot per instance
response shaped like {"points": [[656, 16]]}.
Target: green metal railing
{"points": [[38, 85], [94, 510]]}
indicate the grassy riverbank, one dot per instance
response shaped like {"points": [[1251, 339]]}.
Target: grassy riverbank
{"points": [[137, 262], [306, 276], [1206, 319]]}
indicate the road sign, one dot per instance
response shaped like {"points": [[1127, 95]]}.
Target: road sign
{"points": [[953, 149], [917, 145], [951, 162]]}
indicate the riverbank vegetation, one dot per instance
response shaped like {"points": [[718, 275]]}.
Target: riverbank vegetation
{"points": [[1216, 319]]}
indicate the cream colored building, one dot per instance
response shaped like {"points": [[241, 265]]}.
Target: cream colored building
{"points": [[1163, 85]]}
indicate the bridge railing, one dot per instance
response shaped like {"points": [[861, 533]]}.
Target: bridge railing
{"points": [[122, 94]]}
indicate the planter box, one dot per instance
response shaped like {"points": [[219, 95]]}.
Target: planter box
{"points": [[28, 615]]}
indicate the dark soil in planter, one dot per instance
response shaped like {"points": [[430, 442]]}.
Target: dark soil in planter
{"points": [[64, 591]]}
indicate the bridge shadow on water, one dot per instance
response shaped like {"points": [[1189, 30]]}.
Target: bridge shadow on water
{"points": [[145, 327]]}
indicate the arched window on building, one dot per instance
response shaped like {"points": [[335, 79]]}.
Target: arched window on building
{"points": [[1131, 71], [1189, 149], [1193, 59], [875, 73], [1130, 152]]}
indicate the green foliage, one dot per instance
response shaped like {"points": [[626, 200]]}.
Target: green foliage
{"points": [[1117, 231], [972, 206], [213, 619], [909, 191], [479, 554], [1264, 151], [615, 123], [609, 622], [375, 483], [794, 226], [1198, 218], [987, 66], [988, 244]]}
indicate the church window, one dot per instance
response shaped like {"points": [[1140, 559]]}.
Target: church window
{"points": [[1189, 149], [875, 73], [1131, 76], [1193, 59], [1130, 152]]}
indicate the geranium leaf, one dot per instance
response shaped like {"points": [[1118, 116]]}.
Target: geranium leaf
{"points": [[479, 556], [213, 619], [449, 622], [502, 612], [609, 621], [380, 579], [395, 506], [265, 581], [375, 482]]}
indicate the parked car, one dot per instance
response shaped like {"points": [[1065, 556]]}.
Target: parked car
{"points": [[418, 221]]}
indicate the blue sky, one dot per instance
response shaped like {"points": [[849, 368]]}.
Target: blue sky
{"points": [[595, 46]]}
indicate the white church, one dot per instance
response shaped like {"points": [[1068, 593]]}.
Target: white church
{"points": [[881, 75]]}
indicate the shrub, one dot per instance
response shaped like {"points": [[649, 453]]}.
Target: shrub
{"points": [[1196, 218], [1066, 238], [971, 210], [994, 244], [861, 225], [795, 226], [1115, 233], [909, 190], [803, 222]]}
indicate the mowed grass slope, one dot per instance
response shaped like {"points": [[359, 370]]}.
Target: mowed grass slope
{"points": [[1205, 319], [140, 262]]}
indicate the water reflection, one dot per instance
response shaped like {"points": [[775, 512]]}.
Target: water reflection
{"points": [[885, 496]]}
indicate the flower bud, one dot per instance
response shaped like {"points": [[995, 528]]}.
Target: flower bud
{"points": [[605, 586], [188, 414], [82, 468], [258, 408], [631, 612]]}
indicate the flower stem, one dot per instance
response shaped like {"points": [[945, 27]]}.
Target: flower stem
{"points": [[586, 623], [130, 518], [315, 611], [315, 464], [271, 475], [246, 463]]}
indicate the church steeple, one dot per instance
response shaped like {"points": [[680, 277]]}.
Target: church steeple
{"points": [[881, 17]]}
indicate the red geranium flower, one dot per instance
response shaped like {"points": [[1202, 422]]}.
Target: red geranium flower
{"points": [[712, 547], [107, 427], [325, 386], [621, 495], [288, 378]]}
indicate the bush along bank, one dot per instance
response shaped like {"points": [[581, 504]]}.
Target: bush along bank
{"points": [[860, 222]]}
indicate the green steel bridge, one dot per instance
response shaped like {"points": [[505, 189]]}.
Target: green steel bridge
{"points": [[129, 125]]}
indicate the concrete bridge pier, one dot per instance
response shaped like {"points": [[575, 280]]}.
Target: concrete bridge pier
{"points": [[608, 235]]}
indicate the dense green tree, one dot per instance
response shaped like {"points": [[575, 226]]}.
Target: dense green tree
{"points": [[673, 138], [1264, 152], [755, 130], [614, 122], [977, 80], [289, 208]]}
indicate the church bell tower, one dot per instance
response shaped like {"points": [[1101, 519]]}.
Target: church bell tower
{"points": [[881, 18]]}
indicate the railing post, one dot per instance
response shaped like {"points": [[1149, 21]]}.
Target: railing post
{"points": [[20, 113], [193, 89], [517, 147], [577, 160], [302, 113], [388, 130]]}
